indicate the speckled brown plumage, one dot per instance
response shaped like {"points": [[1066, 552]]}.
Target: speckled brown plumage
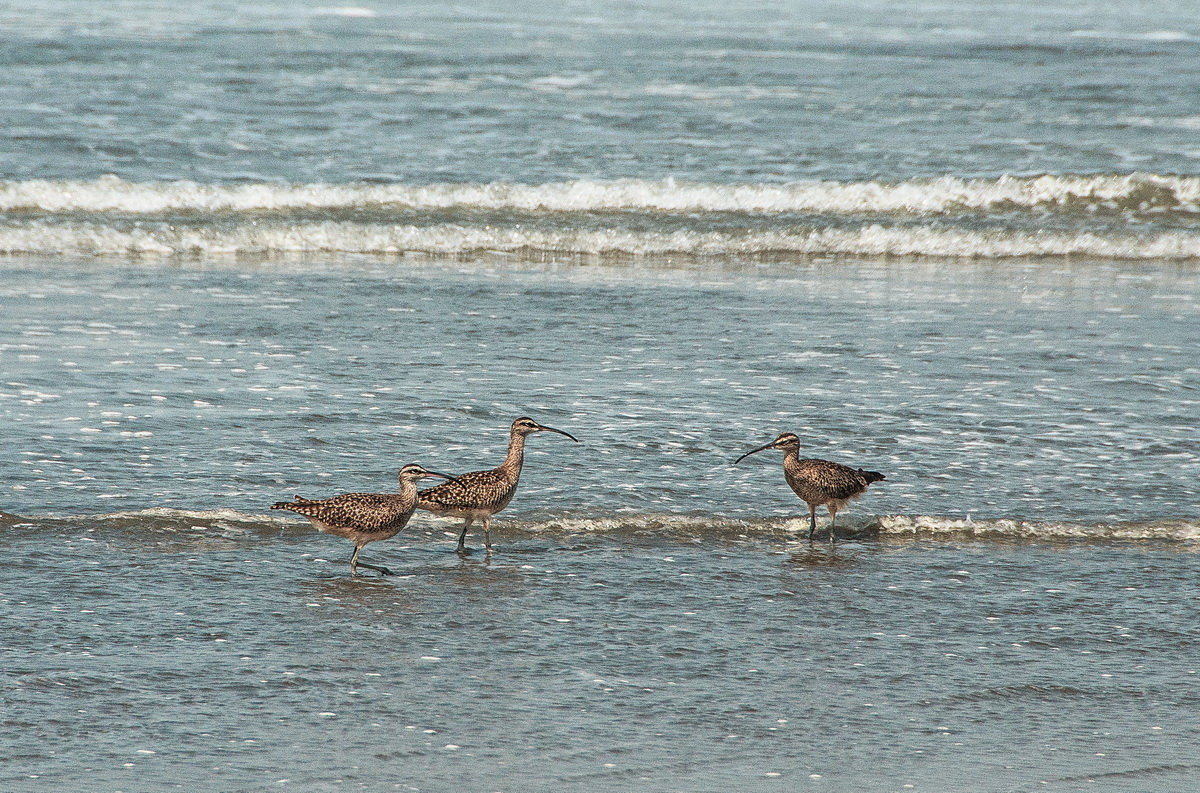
{"points": [[480, 494], [479, 491], [818, 482], [364, 517]]}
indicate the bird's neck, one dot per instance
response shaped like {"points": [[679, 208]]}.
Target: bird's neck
{"points": [[408, 488], [516, 455]]}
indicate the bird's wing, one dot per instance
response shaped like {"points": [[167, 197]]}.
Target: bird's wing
{"points": [[836, 480], [476, 489], [361, 511]]}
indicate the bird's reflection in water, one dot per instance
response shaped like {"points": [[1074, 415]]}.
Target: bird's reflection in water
{"points": [[823, 555], [424, 585], [472, 559], [332, 596]]}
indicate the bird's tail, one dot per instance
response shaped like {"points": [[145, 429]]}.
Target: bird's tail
{"points": [[871, 476], [289, 504]]}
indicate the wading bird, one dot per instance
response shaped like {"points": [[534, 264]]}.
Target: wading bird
{"points": [[818, 482], [481, 494], [364, 517]]}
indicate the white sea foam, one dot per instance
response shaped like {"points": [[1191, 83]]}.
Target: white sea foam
{"points": [[688, 527], [1163, 36], [196, 516], [887, 526], [914, 218], [271, 238], [935, 526], [357, 12], [922, 196], [861, 526]]}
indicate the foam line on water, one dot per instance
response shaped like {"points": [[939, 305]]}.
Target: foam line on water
{"points": [[885, 527], [677, 526], [1135, 192], [266, 238], [1014, 529]]}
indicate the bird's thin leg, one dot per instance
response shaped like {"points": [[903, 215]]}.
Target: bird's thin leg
{"points": [[812, 521], [462, 535], [355, 564], [832, 519], [487, 533]]}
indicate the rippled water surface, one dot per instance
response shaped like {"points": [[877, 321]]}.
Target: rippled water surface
{"points": [[540, 92], [1036, 391], [239, 660], [1018, 605], [993, 129]]}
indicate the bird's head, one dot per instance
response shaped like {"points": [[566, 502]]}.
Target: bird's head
{"points": [[786, 442], [412, 472], [527, 426]]}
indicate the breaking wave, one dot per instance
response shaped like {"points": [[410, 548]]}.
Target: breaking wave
{"points": [[932, 527], [881, 527], [1137, 216], [281, 238], [1140, 192], [234, 524]]}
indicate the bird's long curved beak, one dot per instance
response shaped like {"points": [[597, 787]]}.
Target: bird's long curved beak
{"points": [[447, 477], [560, 432], [762, 448]]}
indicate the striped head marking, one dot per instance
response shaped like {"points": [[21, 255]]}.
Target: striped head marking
{"points": [[412, 472], [786, 441], [527, 426]]}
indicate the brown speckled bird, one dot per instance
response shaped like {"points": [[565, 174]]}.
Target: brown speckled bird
{"points": [[818, 482], [481, 494], [364, 517]]}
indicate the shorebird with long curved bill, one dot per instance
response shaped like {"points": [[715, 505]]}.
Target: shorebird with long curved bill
{"points": [[818, 482], [364, 517], [480, 494]]}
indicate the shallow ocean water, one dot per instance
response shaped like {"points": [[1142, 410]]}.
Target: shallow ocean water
{"points": [[793, 129], [1011, 614], [1031, 391], [246, 661], [419, 92]]}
